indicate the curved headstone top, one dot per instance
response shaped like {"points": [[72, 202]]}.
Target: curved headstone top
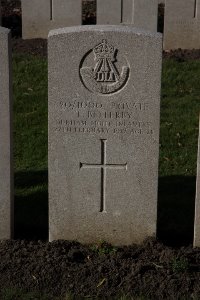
{"points": [[104, 114], [4, 31], [123, 28]]}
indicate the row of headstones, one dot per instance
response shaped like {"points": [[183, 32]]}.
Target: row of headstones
{"points": [[181, 28], [182, 24], [39, 17], [104, 106]]}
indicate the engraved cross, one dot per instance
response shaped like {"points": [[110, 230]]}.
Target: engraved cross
{"points": [[103, 166]]}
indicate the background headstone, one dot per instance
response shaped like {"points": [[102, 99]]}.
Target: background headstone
{"points": [[197, 202], [141, 13], [6, 167], [182, 24], [128, 11], [104, 103], [40, 16], [109, 12]]}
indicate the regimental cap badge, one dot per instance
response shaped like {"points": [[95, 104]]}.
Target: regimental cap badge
{"points": [[105, 70], [104, 78]]}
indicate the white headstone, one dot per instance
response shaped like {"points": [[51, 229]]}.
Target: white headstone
{"points": [[109, 12], [197, 202], [40, 16], [104, 107], [141, 13], [182, 24], [6, 167]]}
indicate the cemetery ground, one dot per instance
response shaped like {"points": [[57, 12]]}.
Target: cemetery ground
{"points": [[167, 268], [32, 268]]}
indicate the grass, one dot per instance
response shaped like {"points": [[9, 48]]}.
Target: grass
{"points": [[30, 113], [103, 248], [30, 146], [180, 106]]}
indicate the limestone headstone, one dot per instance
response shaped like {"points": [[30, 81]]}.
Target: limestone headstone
{"points": [[109, 12], [182, 24], [141, 13], [104, 103], [6, 171], [197, 203], [40, 16]]}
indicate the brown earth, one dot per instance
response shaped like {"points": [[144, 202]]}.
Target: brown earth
{"points": [[60, 267], [152, 269]]}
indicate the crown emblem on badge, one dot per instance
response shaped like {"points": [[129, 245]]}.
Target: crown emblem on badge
{"points": [[104, 50], [104, 78]]}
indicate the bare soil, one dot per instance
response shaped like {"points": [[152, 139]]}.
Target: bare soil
{"points": [[152, 270]]}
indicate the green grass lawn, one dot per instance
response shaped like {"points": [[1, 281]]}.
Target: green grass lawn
{"points": [[180, 106], [30, 146]]}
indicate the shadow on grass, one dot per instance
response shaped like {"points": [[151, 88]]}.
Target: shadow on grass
{"points": [[176, 204], [176, 201], [31, 206]]}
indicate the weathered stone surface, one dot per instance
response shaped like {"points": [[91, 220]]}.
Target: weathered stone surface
{"points": [[197, 203], [109, 12], [39, 17], [182, 24], [35, 18], [104, 102], [6, 168], [141, 13], [67, 13], [128, 11]]}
